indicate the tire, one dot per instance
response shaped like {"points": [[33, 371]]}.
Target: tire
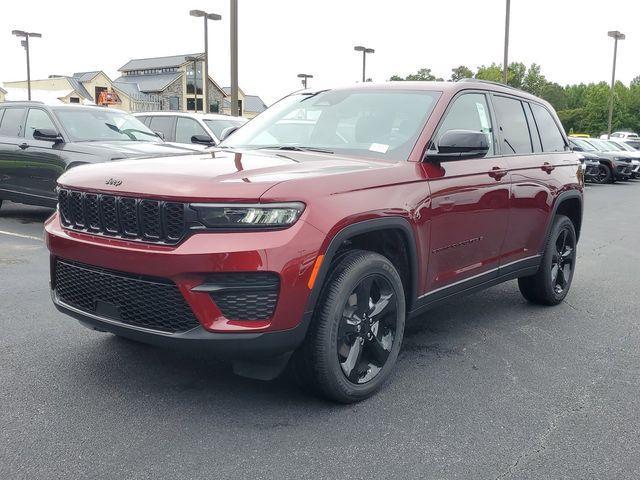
{"points": [[344, 357], [551, 283], [604, 175]]}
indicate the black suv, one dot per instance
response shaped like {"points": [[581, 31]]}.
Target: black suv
{"points": [[39, 142]]}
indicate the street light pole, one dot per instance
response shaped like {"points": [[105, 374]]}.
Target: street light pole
{"points": [[205, 83], [505, 64], [364, 51], [616, 36], [25, 44], [304, 77], [234, 58]]}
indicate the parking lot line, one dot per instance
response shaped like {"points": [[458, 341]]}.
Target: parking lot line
{"points": [[19, 235]]}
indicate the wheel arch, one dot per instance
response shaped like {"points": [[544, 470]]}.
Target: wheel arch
{"points": [[400, 225], [569, 204]]}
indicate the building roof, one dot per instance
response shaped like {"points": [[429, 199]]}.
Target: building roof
{"points": [[78, 87], [252, 103], [86, 76], [49, 97], [149, 83], [3, 90], [156, 62]]}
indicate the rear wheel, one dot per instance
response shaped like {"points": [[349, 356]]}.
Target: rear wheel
{"points": [[354, 339], [551, 283], [604, 174]]}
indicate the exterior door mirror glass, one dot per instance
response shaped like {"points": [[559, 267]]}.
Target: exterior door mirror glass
{"points": [[202, 139]]}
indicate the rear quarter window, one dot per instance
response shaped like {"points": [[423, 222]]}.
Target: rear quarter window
{"points": [[550, 135]]}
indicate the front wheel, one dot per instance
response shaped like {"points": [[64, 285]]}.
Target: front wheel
{"points": [[604, 174], [551, 283], [357, 330]]}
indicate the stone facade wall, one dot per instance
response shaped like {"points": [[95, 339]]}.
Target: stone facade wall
{"points": [[174, 90], [214, 96]]}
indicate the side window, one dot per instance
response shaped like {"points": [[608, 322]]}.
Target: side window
{"points": [[162, 124], [513, 125], [186, 128], [552, 139], [37, 119], [11, 125], [535, 135], [144, 119], [469, 112]]}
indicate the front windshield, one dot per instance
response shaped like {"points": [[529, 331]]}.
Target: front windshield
{"points": [[586, 146], [613, 145], [600, 145], [217, 126], [103, 124], [383, 123]]}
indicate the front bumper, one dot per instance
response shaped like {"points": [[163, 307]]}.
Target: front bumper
{"points": [[290, 254]]}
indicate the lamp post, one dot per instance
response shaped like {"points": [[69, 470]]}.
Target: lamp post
{"points": [[304, 77], [195, 61], [25, 44], [616, 36], [364, 51], [234, 58], [505, 64], [205, 87]]}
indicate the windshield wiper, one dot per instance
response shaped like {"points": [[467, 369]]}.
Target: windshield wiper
{"points": [[295, 148]]}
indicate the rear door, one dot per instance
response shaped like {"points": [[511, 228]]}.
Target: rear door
{"points": [[12, 169], [469, 203], [531, 141]]}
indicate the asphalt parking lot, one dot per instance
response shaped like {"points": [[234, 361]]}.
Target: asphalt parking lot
{"points": [[489, 387]]}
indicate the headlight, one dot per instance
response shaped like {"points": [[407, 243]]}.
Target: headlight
{"points": [[234, 216]]}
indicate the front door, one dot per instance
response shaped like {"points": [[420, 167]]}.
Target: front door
{"points": [[469, 203], [13, 171]]}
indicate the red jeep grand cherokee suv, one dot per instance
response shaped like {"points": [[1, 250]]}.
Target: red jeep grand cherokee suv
{"points": [[317, 229]]}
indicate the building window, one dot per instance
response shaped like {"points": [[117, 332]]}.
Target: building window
{"points": [[174, 103], [194, 84], [74, 100], [214, 107], [191, 103]]}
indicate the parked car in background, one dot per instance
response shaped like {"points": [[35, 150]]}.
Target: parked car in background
{"points": [[631, 142], [39, 142], [622, 135], [316, 244], [621, 146], [608, 165], [592, 168], [619, 163], [196, 130]]}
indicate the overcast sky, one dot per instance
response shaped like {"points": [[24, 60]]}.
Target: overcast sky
{"points": [[281, 38]]}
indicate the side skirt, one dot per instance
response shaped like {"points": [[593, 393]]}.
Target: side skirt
{"points": [[522, 268]]}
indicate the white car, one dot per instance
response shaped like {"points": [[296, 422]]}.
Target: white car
{"points": [[194, 129], [621, 135]]}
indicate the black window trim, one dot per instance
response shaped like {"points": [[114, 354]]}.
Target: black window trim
{"points": [[492, 118]]}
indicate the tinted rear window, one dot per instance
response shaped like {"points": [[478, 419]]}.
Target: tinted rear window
{"points": [[552, 139], [12, 122], [513, 125]]}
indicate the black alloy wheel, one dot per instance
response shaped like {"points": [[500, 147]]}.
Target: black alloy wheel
{"points": [[368, 329], [604, 175], [563, 260]]}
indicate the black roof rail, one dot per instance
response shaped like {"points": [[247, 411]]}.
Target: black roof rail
{"points": [[490, 82]]}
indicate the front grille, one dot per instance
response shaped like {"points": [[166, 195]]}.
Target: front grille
{"points": [[153, 303], [245, 296], [122, 217]]}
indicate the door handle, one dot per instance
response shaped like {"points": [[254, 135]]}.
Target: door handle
{"points": [[547, 167], [24, 146], [497, 173]]}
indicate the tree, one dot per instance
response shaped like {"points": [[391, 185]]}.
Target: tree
{"points": [[555, 95], [515, 74], [493, 73], [422, 75], [533, 81], [635, 82], [460, 72]]}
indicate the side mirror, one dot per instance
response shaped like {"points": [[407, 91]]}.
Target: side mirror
{"points": [[228, 131], [47, 135], [202, 139], [160, 135], [459, 145], [576, 149]]}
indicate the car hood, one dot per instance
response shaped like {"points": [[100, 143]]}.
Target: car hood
{"points": [[124, 149], [211, 176]]}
